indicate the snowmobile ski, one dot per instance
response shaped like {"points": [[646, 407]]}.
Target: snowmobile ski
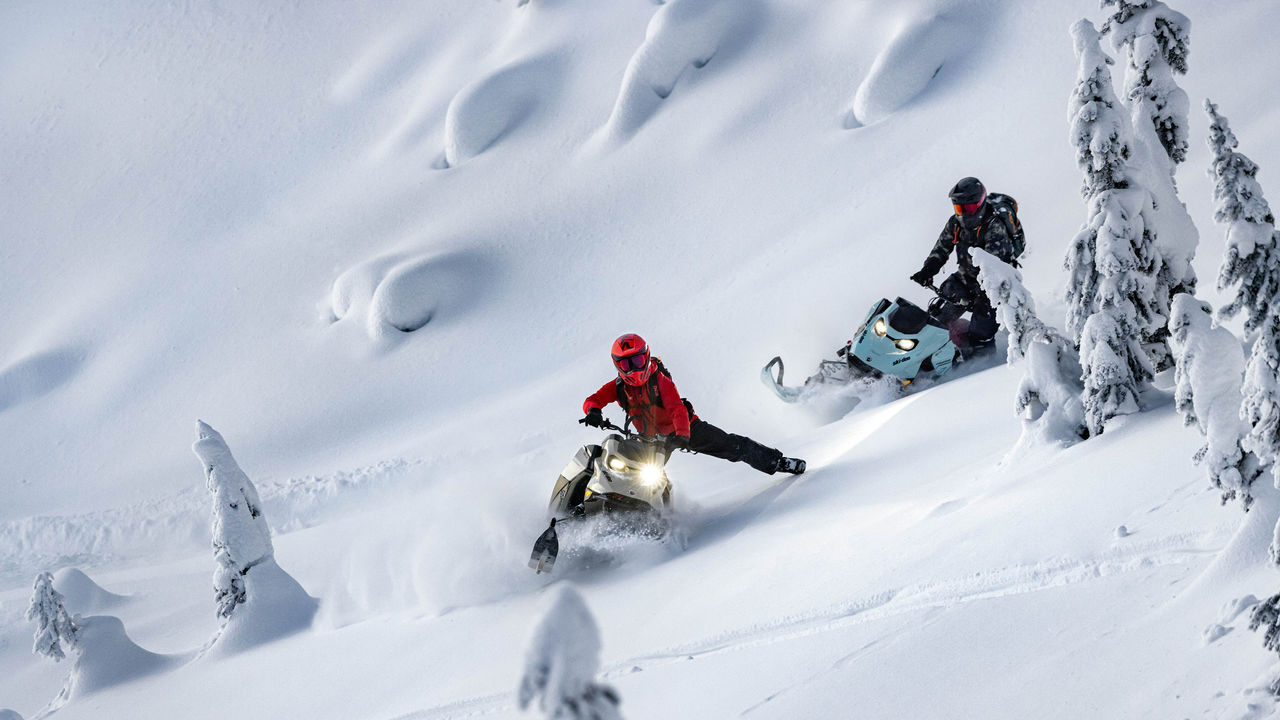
{"points": [[545, 550]]}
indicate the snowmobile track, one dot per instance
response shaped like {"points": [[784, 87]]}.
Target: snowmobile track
{"points": [[1179, 549]]}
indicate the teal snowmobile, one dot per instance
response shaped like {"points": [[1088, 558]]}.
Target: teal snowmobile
{"points": [[898, 341]]}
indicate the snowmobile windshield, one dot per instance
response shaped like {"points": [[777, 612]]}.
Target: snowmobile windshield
{"points": [[908, 319]]}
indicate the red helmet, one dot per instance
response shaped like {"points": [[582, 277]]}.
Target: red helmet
{"points": [[631, 357]]}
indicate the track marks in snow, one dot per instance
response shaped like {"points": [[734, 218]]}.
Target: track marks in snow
{"points": [[398, 294], [683, 35], [37, 375], [923, 597], [178, 523]]}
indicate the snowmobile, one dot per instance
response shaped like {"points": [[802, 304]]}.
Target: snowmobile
{"points": [[623, 480], [898, 341]]}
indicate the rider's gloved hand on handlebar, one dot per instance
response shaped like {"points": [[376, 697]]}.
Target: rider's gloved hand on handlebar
{"points": [[679, 442], [923, 278], [593, 419]]}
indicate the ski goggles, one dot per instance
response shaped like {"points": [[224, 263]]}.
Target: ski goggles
{"points": [[631, 363], [968, 208]]}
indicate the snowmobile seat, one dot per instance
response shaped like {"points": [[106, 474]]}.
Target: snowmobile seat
{"points": [[908, 318]]}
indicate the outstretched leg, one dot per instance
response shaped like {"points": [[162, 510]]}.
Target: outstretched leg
{"points": [[708, 439]]}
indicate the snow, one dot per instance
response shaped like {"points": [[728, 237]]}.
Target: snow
{"points": [[384, 248]]}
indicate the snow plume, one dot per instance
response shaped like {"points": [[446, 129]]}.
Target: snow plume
{"points": [[1251, 262], [53, 626], [1112, 303], [562, 662], [1049, 395], [274, 604], [1209, 372]]}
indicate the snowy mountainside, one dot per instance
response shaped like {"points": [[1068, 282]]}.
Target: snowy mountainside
{"points": [[383, 248]]}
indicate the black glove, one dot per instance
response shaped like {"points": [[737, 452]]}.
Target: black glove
{"points": [[924, 278], [593, 419], [677, 442]]}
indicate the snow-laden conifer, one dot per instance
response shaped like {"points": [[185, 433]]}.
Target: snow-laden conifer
{"points": [[1156, 41], [54, 627], [1049, 394], [1111, 295], [561, 665], [1261, 407], [256, 599], [1209, 372], [241, 538], [1251, 262]]}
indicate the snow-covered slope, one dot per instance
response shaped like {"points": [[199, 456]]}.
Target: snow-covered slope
{"points": [[384, 248]]}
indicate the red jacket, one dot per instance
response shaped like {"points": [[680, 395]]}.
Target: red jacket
{"points": [[646, 417]]}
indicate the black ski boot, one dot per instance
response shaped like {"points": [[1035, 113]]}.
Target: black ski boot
{"points": [[795, 466]]}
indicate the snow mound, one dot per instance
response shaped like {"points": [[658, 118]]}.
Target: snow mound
{"points": [[401, 294], [681, 34], [82, 593], [105, 656], [904, 69], [275, 605], [6, 714], [488, 109], [37, 375]]}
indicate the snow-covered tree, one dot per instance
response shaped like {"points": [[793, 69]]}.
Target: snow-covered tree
{"points": [[1049, 395], [1155, 41], [561, 665], [1209, 372], [1267, 617], [54, 627], [256, 599], [1111, 296], [1261, 407], [241, 538], [1252, 259]]}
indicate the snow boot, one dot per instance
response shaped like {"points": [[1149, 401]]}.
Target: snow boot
{"points": [[795, 466]]}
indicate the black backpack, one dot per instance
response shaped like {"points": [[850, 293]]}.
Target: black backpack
{"points": [[1006, 208], [655, 397]]}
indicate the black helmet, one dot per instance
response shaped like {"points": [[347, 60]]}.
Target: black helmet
{"points": [[968, 197]]}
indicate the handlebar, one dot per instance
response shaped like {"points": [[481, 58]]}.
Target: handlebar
{"points": [[632, 435]]}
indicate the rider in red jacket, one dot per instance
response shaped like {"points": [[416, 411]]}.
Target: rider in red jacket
{"points": [[653, 406]]}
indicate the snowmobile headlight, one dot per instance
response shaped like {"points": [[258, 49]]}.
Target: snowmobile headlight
{"points": [[880, 328], [651, 475], [616, 463], [905, 343]]}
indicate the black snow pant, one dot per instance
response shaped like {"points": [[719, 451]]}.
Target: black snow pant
{"points": [[708, 439], [961, 292]]}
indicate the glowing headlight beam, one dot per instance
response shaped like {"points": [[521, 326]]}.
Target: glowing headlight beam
{"points": [[616, 463], [905, 343], [880, 328], [651, 475]]}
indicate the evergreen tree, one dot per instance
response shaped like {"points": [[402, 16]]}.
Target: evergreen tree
{"points": [[1111, 296], [1209, 371], [1049, 394], [53, 626], [1261, 407], [1155, 41], [1252, 259], [241, 538], [562, 662]]}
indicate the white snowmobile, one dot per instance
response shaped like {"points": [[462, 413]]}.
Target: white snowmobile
{"points": [[897, 343], [623, 480]]}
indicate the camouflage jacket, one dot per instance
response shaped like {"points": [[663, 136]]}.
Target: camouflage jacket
{"points": [[992, 235]]}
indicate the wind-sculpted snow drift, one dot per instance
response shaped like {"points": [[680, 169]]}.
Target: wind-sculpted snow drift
{"points": [[82, 593], [494, 106], [105, 656], [397, 294], [682, 34], [904, 69]]}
